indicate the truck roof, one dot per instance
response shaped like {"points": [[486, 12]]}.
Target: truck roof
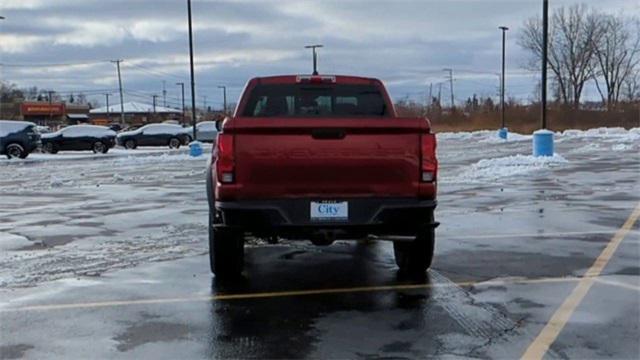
{"points": [[293, 79]]}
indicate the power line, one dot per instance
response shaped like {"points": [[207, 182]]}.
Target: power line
{"points": [[155, 72], [54, 64]]}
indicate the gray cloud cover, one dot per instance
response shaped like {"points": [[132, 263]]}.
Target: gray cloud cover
{"points": [[406, 43]]}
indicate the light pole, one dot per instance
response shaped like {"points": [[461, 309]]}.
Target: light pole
{"points": [[451, 86], [545, 41], [193, 81], [224, 97], [182, 86], [108, 113], [315, 56], [504, 32], [543, 138]]}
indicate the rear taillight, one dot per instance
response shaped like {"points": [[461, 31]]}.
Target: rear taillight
{"points": [[429, 170], [225, 162]]}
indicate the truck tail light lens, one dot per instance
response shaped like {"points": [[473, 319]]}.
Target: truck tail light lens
{"points": [[429, 170], [225, 162]]}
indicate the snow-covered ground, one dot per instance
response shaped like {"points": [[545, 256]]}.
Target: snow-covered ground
{"points": [[77, 214]]}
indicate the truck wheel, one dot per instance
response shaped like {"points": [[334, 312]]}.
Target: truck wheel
{"points": [[415, 257], [226, 252]]}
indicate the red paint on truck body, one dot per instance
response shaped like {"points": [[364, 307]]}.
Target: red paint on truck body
{"points": [[290, 157]]}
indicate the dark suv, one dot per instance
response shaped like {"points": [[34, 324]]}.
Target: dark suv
{"points": [[18, 138]]}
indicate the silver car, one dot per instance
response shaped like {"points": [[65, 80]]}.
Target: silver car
{"points": [[206, 131]]}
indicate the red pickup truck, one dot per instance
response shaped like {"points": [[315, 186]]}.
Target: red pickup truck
{"points": [[321, 158]]}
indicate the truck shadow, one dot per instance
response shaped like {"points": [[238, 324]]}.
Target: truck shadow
{"points": [[355, 303]]}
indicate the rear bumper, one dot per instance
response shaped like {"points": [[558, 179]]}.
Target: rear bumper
{"points": [[291, 218]]}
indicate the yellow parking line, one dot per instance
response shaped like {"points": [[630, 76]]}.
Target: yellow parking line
{"points": [[291, 293], [550, 332]]}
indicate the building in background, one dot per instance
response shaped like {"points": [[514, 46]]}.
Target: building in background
{"points": [[54, 115], [135, 113]]}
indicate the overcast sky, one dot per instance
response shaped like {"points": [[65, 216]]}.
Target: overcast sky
{"points": [[405, 43]]}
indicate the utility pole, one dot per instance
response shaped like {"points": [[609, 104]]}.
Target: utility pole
{"points": [[154, 102], [117, 62], [50, 93], [204, 103], [439, 94], [193, 81], [315, 56], [504, 32], [182, 86], [430, 96], [224, 98], [164, 93], [451, 86], [108, 113], [545, 41]]}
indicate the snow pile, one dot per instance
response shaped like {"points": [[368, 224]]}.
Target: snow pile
{"points": [[465, 135], [9, 127], [10, 242], [164, 158], [611, 134], [621, 147], [500, 168], [491, 136], [511, 137]]}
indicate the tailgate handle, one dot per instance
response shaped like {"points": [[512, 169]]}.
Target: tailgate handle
{"points": [[328, 134]]}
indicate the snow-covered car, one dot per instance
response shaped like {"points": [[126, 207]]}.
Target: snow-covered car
{"points": [[154, 135], [206, 131], [18, 138], [99, 139]]}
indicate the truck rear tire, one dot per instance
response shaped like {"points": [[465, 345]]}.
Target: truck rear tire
{"points": [[226, 251], [415, 257]]}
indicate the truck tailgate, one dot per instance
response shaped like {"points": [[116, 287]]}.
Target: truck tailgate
{"points": [[327, 158]]}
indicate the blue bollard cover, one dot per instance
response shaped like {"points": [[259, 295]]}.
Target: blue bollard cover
{"points": [[502, 133], [543, 143], [195, 148]]}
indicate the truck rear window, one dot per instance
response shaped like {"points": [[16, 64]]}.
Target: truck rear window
{"points": [[304, 100]]}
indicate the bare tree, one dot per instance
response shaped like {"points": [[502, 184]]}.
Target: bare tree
{"points": [[572, 33], [632, 87], [617, 54]]}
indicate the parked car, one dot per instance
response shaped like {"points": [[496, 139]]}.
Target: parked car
{"points": [[115, 127], [206, 131], [43, 129], [18, 138], [154, 135], [99, 139], [322, 158]]}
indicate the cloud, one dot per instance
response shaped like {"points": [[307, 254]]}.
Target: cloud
{"points": [[406, 43]]}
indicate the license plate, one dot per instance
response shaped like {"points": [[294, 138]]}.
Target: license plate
{"points": [[329, 210]]}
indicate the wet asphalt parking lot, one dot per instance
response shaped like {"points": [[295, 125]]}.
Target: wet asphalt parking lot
{"points": [[107, 259]]}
